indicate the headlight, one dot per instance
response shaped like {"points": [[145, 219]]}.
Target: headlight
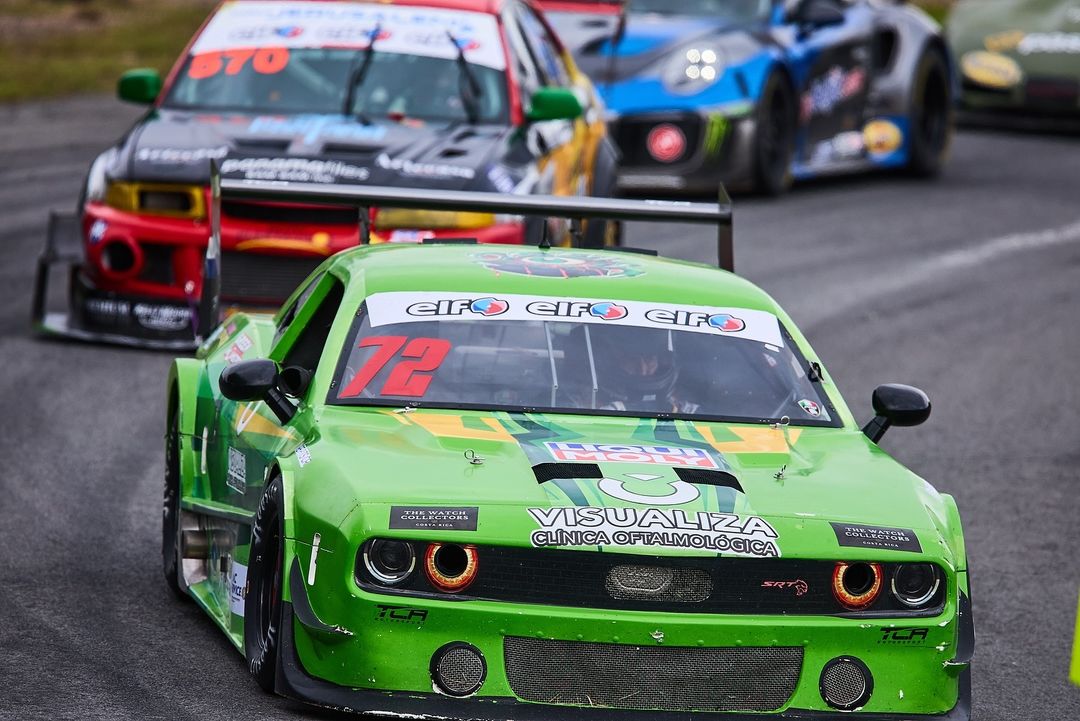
{"points": [[176, 201], [388, 562], [95, 179], [693, 68], [450, 567], [856, 585], [915, 584]]}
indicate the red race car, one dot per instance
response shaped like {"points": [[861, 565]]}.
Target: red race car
{"points": [[472, 95]]}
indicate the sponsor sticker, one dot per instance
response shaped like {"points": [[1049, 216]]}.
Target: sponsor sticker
{"points": [[435, 171], [303, 455], [990, 69], [181, 156], [831, 89], [236, 351], [905, 636], [97, 231], [236, 477], [811, 408], [891, 539], [434, 518], [403, 30], [313, 128], [654, 528], [403, 307], [612, 453], [303, 170], [401, 614], [237, 587], [882, 137]]}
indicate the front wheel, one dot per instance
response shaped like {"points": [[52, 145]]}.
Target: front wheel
{"points": [[774, 140], [931, 115], [262, 605]]}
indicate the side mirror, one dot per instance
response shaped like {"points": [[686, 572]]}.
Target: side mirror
{"points": [[256, 380], [896, 405], [814, 14], [554, 104], [141, 85]]}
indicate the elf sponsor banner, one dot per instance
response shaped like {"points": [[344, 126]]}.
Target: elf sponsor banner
{"points": [[405, 307], [406, 30], [654, 528]]}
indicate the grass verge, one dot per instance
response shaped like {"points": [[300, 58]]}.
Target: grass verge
{"points": [[63, 47]]}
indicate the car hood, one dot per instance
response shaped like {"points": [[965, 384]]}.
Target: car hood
{"points": [[1039, 34], [648, 38], [515, 471], [174, 146]]}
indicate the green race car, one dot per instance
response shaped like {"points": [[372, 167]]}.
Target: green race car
{"points": [[452, 482]]}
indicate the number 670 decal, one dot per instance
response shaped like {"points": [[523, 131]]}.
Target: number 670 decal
{"points": [[408, 377]]}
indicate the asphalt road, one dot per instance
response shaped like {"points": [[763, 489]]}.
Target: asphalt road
{"points": [[968, 287]]}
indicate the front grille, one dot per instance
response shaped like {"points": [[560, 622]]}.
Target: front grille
{"points": [[630, 134], [1052, 93], [157, 264], [633, 582], [653, 678], [257, 278], [282, 213]]}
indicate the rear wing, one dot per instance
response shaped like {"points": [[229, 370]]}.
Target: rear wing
{"points": [[364, 198]]}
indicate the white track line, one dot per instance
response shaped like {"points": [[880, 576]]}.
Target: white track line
{"points": [[942, 266]]}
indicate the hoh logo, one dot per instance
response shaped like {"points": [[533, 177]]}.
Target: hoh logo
{"points": [[486, 307]]}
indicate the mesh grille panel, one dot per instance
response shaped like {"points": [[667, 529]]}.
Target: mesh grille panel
{"points": [[844, 684], [657, 583], [460, 670], [664, 678]]}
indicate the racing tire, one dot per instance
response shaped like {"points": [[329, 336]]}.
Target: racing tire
{"points": [[774, 139], [262, 605], [932, 115], [170, 517]]}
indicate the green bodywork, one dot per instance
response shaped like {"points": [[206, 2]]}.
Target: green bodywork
{"points": [[343, 467], [1018, 53]]}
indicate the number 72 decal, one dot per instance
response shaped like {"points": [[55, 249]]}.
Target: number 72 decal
{"points": [[410, 376]]}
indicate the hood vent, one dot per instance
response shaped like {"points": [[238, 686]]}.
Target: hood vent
{"points": [[261, 146], [549, 471], [701, 477], [356, 152]]}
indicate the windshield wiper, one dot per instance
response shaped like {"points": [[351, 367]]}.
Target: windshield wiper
{"points": [[357, 75], [468, 99]]}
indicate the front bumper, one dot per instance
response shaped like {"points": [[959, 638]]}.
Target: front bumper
{"points": [[719, 149], [153, 304], [381, 666]]}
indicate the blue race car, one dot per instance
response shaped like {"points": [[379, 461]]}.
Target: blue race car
{"points": [[756, 93]]}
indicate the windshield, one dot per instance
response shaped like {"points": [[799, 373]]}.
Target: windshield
{"points": [[299, 57], [731, 10], [568, 355]]}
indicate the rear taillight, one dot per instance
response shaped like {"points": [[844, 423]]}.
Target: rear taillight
{"points": [[915, 584]]}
